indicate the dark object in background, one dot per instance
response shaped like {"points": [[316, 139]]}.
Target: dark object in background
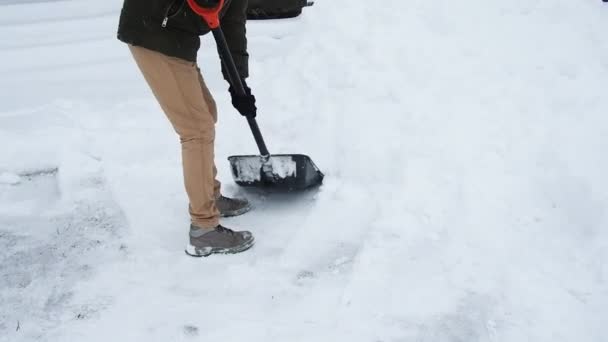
{"points": [[276, 9]]}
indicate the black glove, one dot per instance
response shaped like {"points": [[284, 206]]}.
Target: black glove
{"points": [[207, 3], [245, 104]]}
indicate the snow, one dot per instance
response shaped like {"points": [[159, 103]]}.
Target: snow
{"points": [[464, 198], [249, 168], [283, 166]]}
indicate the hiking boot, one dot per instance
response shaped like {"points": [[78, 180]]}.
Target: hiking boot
{"points": [[218, 240], [231, 206]]}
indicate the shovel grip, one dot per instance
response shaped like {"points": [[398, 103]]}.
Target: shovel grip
{"points": [[210, 15]]}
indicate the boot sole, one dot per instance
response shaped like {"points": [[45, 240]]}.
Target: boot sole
{"points": [[239, 212], [207, 251]]}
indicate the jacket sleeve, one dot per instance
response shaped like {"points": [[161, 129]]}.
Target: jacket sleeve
{"points": [[233, 25]]}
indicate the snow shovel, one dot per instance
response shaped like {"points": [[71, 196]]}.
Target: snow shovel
{"points": [[279, 171]]}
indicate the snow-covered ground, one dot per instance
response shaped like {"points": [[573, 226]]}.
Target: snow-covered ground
{"points": [[465, 196]]}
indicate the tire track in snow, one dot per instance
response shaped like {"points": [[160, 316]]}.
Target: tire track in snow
{"points": [[60, 20], [59, 67], [56, 43]]}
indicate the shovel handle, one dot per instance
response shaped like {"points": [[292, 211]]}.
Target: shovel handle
{"points": [[212, 18], [237, 85]]}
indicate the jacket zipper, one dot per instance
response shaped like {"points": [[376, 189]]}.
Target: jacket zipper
{"points": [[166, 19]]}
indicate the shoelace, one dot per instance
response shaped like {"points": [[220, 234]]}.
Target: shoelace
{"points": [[225, 230], [226, 199]]}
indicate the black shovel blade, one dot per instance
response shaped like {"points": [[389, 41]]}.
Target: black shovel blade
{"points": [[281, 171]]}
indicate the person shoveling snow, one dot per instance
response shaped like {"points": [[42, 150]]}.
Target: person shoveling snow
{"points": [[163, 36]]}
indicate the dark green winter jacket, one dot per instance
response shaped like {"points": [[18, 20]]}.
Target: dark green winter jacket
{"points": [[172, 28]]}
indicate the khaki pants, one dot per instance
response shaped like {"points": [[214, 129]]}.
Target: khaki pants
{"points": [[182, 94]]}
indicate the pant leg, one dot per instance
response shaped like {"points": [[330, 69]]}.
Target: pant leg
{"points": [[217, 185], [213, 109], [178, 87]]}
